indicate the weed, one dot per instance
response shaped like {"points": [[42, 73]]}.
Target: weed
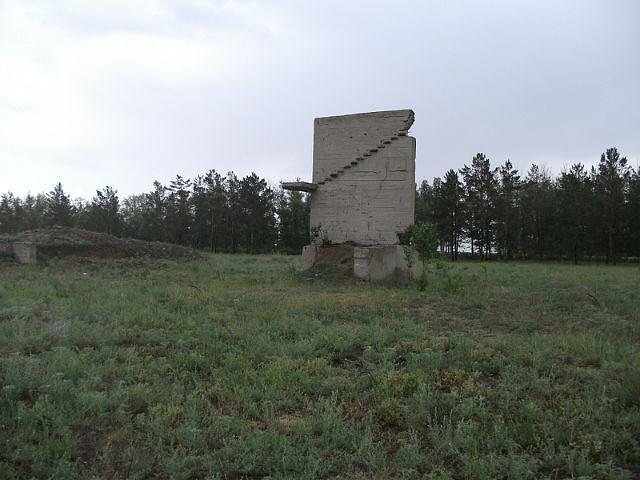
{"points": [[241, 367]]}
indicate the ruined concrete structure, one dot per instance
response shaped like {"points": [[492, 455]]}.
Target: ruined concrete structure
{"points": [[363, 190], [24, 252]]}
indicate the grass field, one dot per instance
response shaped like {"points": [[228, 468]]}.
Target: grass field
{"points": [[241, 367]]}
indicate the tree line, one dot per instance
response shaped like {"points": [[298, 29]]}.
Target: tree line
{"points": [[214, 212], [477, 211], [490, 212]]}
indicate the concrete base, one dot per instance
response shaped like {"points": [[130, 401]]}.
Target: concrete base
{"points": [[380, 263], [309, 256], [6, 248], [25, 252], [387, 263]]}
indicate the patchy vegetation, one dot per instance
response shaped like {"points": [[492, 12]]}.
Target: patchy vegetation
{"points": [[240, 367]]}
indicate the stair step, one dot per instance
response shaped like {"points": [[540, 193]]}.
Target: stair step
{"points": [[355, 162], [380, 147], [321, 183], [394, 138], [366, 154], [387, 142], [373, 150], [402, 134], [333, 175], [346, 167]]}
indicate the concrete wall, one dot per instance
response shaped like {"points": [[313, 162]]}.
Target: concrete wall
{"points": [[387, 263], [380, 263], [373, 200], [25, 252], [6, 248]]}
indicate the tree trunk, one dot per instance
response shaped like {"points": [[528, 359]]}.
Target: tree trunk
{"points": [[211, 234], [611, 230], [233, 237]]}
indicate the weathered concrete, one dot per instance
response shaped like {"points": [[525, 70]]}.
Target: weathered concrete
{"points": [[309, 256], [6, 247], [386, 263], [383, 263], [25, 252], [364, 166], [300, 186], [363, 192]]}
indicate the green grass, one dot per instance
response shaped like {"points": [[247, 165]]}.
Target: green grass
{"points": [[241, 367]]}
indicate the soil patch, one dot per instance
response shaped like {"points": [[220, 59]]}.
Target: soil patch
{"points": [[335, 258]]}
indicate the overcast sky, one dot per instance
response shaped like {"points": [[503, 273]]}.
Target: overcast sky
{"points": [[122, 92]]}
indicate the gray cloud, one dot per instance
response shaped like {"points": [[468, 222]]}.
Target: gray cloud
{"points": [[109, 94]]}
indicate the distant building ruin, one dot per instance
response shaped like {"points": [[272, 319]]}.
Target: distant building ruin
{"points": [[23, 252], [363, 190]]}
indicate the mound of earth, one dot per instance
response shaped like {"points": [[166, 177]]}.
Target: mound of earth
{"points": [[66, 241]]}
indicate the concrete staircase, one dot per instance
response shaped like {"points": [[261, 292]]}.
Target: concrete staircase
{"points": [[363, 157]]}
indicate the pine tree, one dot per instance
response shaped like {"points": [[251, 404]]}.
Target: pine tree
{"points": [[33, 212], [199, 225], [234, 212], [507, 210], [438, 215], [632, 215], [611, 177], [59, 210], [8, 217], [104, 212], [537, 213], [448, 212], [209, 205], [179, 212], [480, 194], [293, 221], [217, 206], [256, 201], [424, 203], [134, 216], [574, 199], [155, 213]]}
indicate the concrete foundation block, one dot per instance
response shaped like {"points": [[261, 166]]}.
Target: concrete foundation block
{"points": [[385, 263], [381, 263], [25, 252], [6, 248], [308, 256]]}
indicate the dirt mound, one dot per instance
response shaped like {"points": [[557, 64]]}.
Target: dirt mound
{"points": [[66, 241], [333, 261]]}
